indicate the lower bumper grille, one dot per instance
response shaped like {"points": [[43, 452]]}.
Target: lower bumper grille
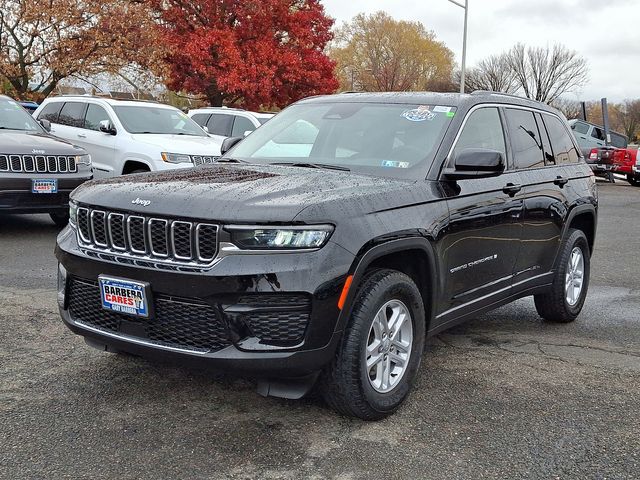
{"points": [[179, 324]]}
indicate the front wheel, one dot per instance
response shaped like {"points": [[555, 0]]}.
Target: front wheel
{"points": [[633, 180], [564, 301], [381, 348]]}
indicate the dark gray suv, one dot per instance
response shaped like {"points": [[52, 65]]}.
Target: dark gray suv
{"points": [[37, 170]]}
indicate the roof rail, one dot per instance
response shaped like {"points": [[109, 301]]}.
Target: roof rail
{"points": [[491, 92], [104, 97]]}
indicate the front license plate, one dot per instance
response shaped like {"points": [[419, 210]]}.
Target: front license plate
{"points": [[44, 186], [124, 296]]}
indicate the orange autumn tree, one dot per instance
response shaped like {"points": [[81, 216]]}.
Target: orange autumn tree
{"points": [[252, 53], [44, 42]]}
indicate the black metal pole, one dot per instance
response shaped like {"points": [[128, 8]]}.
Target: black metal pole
{"points": [[605, 122], [583, 106]]}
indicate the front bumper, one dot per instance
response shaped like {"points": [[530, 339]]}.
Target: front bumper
{"points": [[16, 195], [245, 304]]}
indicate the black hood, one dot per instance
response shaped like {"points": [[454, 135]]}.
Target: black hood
{"points": [[15, 142], [248, 193]]}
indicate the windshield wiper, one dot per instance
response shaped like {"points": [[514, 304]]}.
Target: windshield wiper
{"points": [[326, 166], [229, 160]]}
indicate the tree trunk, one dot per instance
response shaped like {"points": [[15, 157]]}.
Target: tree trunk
{"points": [[214, 96]]}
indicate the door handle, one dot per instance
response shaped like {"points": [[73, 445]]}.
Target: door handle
{"points": [[511, 189], [561, 181], [80, 135]]}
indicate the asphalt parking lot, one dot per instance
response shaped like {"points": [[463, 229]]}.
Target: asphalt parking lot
{"points": [[505, 396]]}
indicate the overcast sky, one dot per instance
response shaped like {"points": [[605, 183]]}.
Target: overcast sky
{"points": [[605, 32]]}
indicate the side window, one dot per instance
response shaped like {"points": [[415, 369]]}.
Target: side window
{"points": [[618, 141], [582, 128], [95, 114], [549, 159], [563, 147], [50, 112], [72, 114], [525, 138], [241, 125], [598, 133], [483, 129], [200, 118], [220, 124]]}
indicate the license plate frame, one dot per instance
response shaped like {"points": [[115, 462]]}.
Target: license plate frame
{"points": [[129, 297], [44, 185]]}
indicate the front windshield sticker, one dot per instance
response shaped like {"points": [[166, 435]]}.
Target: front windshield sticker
{"points": [[419, 114], [441, 109], [450, 114], [395, 164]]}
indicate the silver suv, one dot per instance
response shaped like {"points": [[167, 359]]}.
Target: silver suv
{"points": [[223, 122]]}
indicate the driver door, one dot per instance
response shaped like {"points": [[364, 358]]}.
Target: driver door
{"points": [[480, 245]]}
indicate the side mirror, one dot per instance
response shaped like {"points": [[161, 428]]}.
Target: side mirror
{"points": [[205, 128], [228, 144], [476, 163], [107, 127], [247, 132], [46, 124]]}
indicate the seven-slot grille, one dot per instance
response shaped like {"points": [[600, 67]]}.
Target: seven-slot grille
{"points": [[148, 237], [38, 164], [202, 159]]}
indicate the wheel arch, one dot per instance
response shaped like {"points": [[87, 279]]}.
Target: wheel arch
{"points": [[131, 164], [583, 217], [413, 256]]}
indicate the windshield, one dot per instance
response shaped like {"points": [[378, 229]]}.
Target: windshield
{"points": [[386, 140], [14, 117], [157, 120]]}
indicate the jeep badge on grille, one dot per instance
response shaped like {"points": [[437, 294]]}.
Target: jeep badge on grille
{"points": [[139, 201]]}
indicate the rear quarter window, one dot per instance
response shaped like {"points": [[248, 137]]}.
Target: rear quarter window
{"points": [[564, 150]]}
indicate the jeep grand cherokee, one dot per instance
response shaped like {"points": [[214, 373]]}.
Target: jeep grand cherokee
{"points": [[328, 244], [37, 171]]}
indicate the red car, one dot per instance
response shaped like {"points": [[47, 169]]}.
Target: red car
{"points": [[608, 160]]}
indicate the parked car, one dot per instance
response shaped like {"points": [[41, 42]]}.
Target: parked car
{"points": [[37, 171], [330, 257], [29, 106], [590, 136], [223, 122], [129, 136]]}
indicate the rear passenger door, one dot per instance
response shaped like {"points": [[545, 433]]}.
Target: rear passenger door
{"points": [[480, 246], [70, 121], [543, 153]]}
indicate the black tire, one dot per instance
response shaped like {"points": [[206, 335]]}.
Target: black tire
{"points": [[345, 384], [553, 306], [139, 170], [60, 219], [633, 181]]}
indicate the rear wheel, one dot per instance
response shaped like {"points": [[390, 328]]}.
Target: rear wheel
{"points": [[60, 219], [564, 301], [381, 348], [633, 181]]}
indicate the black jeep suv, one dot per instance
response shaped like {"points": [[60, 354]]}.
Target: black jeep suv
{"points": [[332, 240], [37, 171]]}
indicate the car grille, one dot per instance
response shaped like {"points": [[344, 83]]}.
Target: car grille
{"points": [[202, 159], [38, 164], [183, 324], [148, 238]]}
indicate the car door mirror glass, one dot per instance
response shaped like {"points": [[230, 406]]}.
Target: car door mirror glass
{"points": [[228, 144], [107, 127], [46, 124]]}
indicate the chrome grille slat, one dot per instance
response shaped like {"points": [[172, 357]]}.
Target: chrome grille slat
{"points": [[38, 164], [144, 238]]}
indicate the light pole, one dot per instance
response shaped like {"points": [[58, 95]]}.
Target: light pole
{"points": [[465, 6]]}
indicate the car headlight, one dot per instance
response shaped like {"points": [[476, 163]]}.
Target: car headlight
{"points": [[83, 160], [279, 238], [73, 213], [176, 157]]}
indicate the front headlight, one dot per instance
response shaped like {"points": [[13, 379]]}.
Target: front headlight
{"points": [[73, 213], [176, 157], [279, 238], [83, 160]]}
